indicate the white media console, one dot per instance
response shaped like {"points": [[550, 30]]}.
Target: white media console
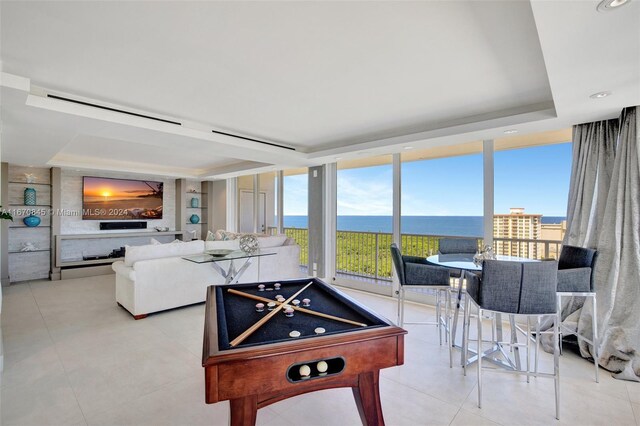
{"points": [[73, 250]]}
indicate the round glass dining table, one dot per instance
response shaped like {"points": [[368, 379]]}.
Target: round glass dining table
{"points": [[465, 261]]}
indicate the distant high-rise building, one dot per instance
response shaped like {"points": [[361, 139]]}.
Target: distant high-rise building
{"points": [[553, 235], [517, 226]]}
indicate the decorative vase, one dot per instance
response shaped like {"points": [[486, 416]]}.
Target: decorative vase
{"points": [[29, 197], [31, 220], [194, 218], [195, 202], [249, 243]]}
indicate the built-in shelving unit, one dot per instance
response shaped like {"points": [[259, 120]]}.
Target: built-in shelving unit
{"points": [[20, 265], [186, 190]]}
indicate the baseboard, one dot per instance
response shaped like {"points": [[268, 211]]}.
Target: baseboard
{"points": [[87, 271]]}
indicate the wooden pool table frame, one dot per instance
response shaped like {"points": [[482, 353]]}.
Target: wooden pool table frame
{"points": [[254, 377]]}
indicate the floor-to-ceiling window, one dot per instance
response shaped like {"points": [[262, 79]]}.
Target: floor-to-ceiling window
{"points": [[530, 191], [442, 196], [364, 204], [295, 196]]}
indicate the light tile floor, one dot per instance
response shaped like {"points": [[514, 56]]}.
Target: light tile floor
{"points": [[72, 356]]}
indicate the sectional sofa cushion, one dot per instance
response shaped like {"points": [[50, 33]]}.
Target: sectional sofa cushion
{"points": [[152, 251], [271, 241], [222, 245]]}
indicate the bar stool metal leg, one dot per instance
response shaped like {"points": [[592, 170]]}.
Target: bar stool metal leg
{"points": [[438, 316], [465, 336], [595, 337], [556, 362], [480, 355]]}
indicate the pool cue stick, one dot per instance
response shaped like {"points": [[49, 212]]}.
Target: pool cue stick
{"points": [[297, 308], [254, 327]]}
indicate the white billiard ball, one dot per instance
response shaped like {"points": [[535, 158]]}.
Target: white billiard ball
{"points": [[271, 305], [305, 371], [294, 334], [322, 366], [260, 287]]}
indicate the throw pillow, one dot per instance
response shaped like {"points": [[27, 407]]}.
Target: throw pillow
{"points": [[154, 242], [176, 241], [210, 236], [226, 236]]}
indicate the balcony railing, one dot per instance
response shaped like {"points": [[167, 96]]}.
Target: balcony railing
{"points": [[367, 255]]}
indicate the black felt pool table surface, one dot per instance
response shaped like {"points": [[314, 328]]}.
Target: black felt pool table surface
{"points": [[235, 313]]}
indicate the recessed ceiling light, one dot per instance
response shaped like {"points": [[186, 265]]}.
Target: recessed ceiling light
{"points": [[338, 158], [609, 5], [408, 147], [510, 131], [600, 95]]}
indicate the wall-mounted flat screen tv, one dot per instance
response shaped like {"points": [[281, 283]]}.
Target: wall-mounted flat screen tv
{"points": [[121, 199]]}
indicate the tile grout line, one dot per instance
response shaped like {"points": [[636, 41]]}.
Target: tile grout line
{"points": [[422, 392], [173, 340], [633, 411], [55, 348]]}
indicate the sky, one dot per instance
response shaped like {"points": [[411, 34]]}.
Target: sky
{"points": [[107, 188], [534, 178]]}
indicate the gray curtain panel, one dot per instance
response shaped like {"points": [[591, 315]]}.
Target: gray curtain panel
{"points": [[617, 276], [594, 148], [604, 213]]}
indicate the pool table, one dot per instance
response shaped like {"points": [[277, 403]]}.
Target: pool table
{"points": [[268, 365]]}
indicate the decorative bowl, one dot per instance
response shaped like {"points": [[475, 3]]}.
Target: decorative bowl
{"points": [[219, 252], [31, 221]]}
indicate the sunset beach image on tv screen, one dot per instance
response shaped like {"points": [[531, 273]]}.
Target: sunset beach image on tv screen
{"points": [[117, 199]]}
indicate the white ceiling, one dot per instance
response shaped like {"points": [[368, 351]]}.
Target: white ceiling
{"points": [[327, 78]]}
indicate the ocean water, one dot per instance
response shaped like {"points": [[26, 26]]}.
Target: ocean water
{"points": [[464, 226]]}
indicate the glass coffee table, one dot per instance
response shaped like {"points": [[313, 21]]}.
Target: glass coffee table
{"points": [[219, 259]]}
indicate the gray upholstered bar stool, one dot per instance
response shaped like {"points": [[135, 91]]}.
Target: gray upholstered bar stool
{"points": [[457, 246], [465, 246], [515, 288], [575, 278], [415, 272]]}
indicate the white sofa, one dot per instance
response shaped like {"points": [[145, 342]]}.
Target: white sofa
{"points": [[155, 277]]}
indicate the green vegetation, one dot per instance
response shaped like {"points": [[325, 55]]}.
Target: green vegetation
{"points": [[4, 215], [356, 251]]}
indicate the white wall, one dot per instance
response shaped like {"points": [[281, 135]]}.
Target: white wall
{"points": [[267, 185], [71, 193]]}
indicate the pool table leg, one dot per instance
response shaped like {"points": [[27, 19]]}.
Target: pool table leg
{"points": [[367, 396], [243, 411]]}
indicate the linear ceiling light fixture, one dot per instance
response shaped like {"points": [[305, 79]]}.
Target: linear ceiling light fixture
{"points": [[600, 95], [609, 5], [75, 101], [253, 140], [163, 120]]}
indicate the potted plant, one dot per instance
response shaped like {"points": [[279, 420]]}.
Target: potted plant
{"points": [[4, 215]]}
